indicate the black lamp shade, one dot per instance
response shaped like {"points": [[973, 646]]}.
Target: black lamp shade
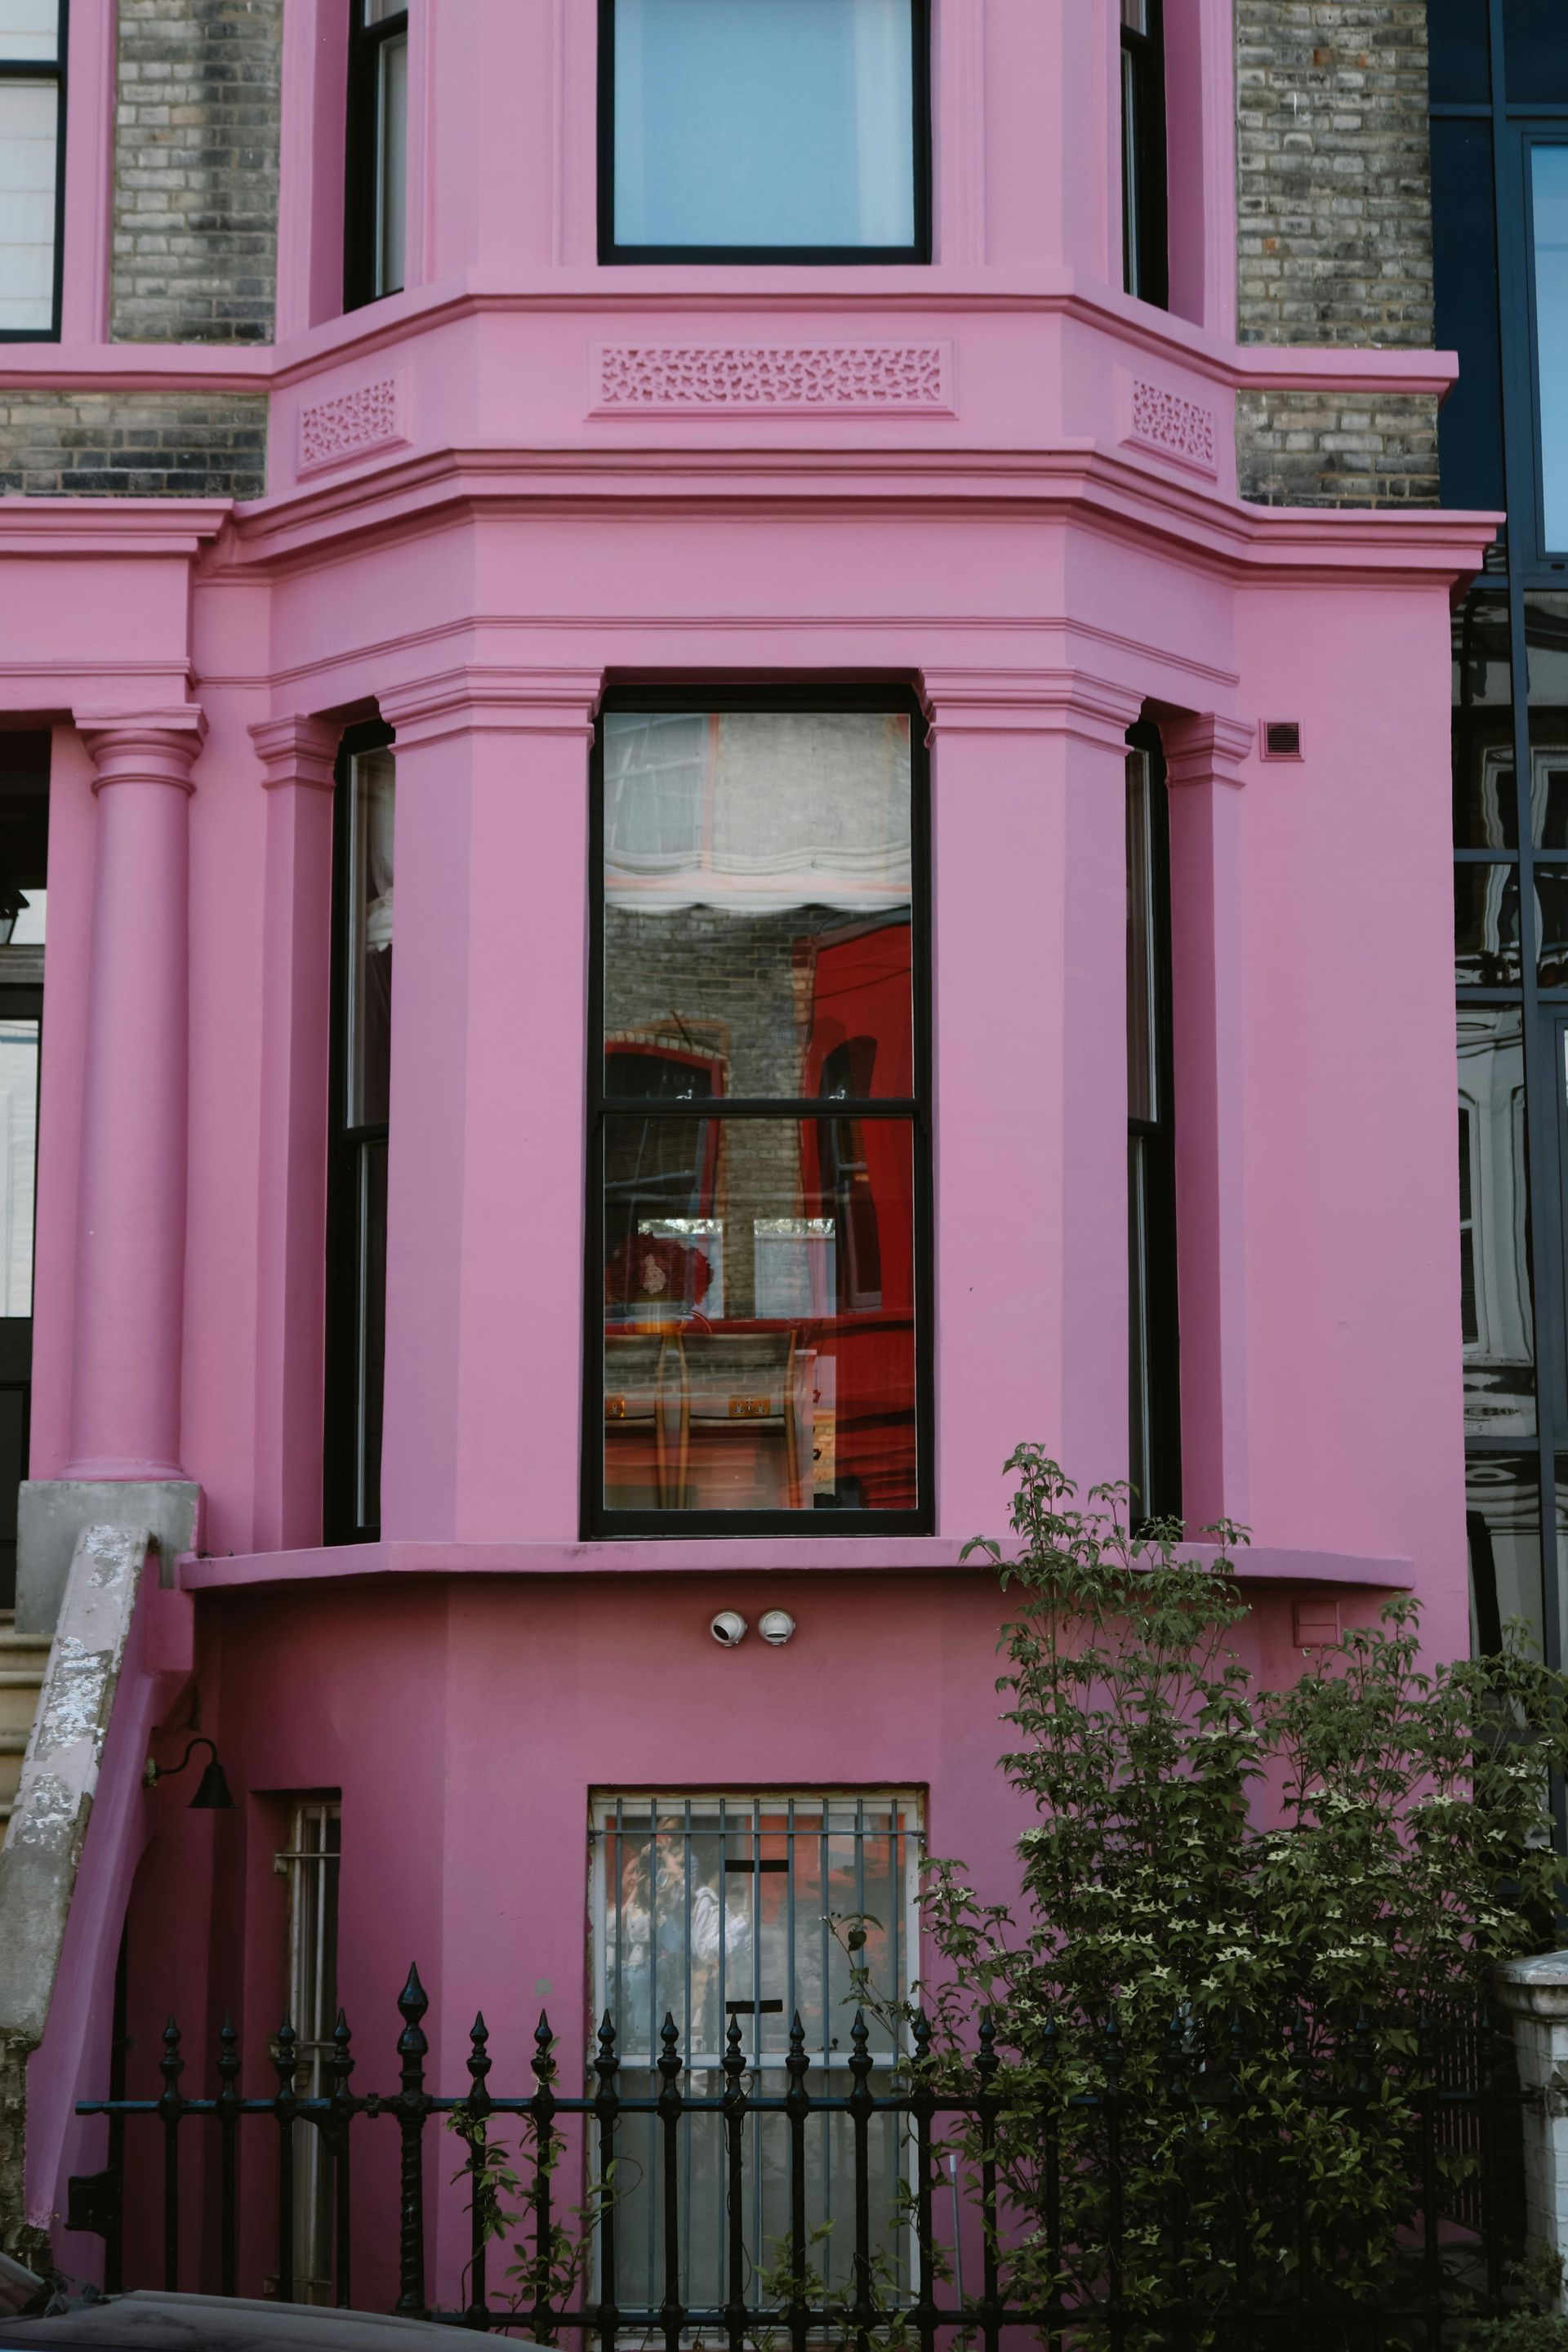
{"points": [[212, 1791]]}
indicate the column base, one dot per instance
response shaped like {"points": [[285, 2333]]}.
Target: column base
{"points": [[52, 1512]]}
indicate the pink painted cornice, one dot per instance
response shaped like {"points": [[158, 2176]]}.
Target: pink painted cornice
{"points": [[109, 526], [474, 699], [1206, 749], [1077, 482], [987, 702], [295, 750]]}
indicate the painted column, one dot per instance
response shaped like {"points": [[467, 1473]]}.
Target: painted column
{"points": [[1204, 765], [1029, 858], [130, 1206], [487, 1171], [298, 758]]}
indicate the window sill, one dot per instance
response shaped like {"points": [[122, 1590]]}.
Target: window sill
{"points": [[731, 1555]]}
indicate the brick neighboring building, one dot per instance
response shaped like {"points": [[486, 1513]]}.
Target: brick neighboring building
{"points": [[907, 701]]}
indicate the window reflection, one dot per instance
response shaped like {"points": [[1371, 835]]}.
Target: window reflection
{"points": [[1486, 926], [1500, 1342], [18, 1161], [1503, 1517], [759, 1315], [1486, 808], [759, 1271]]}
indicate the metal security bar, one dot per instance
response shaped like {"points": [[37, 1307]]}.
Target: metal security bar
{"points": [[1443, 2268], [310, 1862]]}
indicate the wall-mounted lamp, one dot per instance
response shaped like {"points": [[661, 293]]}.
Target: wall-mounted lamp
{"points": [[211, 1790]]}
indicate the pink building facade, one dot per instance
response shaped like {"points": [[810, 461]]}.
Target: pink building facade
{"points": [[556, 540]]}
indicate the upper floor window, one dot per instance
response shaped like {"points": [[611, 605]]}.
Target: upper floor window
{"points": [[1145, 261], [32, 161], [376, 198], [759, 1344], [360, 1085], [763, 130]]}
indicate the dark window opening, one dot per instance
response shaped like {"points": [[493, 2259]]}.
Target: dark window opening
{"points": [[375, 201], [1153, 1356], [358, 1131], [1145, 253], [24, 899]]}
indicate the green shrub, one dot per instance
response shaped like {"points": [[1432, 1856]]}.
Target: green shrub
{"points": [[1274, 1898]]}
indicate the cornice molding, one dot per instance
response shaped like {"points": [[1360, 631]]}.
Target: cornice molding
{"points": [[1131, 497], [157, 746], [478, 699], [297, 751], [1206, 749], [986, 701], [84, 526]]}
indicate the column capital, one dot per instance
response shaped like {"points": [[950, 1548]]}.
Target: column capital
{"points": [[984, 701], [155, 746], [494, 701], [1206, 749], [297, 751]]}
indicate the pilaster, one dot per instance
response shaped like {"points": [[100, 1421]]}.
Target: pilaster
{"points": [[1030, 1076], [130, 1210], [1205, 763], [486, 1200], [297, 759]]}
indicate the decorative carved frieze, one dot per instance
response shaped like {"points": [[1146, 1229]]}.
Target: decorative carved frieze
{"points": [[1156, 418], [875, 379], [351, 424]]}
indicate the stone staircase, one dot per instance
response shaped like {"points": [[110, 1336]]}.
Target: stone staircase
{"points": [[23, 1658]]}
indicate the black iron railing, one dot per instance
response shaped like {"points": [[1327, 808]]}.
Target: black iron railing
{"points": [[900, 2278]]}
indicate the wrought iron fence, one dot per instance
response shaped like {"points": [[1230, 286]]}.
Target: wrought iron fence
{"points": [[899, 2281]]}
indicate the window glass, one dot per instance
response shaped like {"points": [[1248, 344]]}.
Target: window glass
{"points": [[1546, 648], [1535, 53], [1503, 1517], [30, 155], [29, 31], [392, 163], [1460, 43], [714, 1911], [1464, 286], [1144, 254], [1142, 1060], [757, 876], [1486, 926], [759, 1314], [1495, 1268], [1549, 177], [758, 1271], [18, 1160], [311, 1860], [1486, 804], [758, 123], [370, 951]]}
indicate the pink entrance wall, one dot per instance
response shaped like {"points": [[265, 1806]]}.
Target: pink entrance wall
{"points": [[471, 530]]}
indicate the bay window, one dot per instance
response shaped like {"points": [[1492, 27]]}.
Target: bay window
{"points": [[32, 166], [763, 130], [356, 1192], [759, 1335]]}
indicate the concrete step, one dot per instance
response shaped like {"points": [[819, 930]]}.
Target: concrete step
{"points": [[18, 1696]]}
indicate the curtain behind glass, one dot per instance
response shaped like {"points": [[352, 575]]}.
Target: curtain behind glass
{"points": [[764, 123]]}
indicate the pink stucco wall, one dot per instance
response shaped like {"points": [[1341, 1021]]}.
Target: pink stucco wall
{"points": [[1045, 550]]}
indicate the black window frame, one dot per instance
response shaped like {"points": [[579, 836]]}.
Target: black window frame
{"points": [[754, 256], [600, 1524], [1145, 197], [342, 1520], [362, 155], [37, 69], [1154, 1373]]}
